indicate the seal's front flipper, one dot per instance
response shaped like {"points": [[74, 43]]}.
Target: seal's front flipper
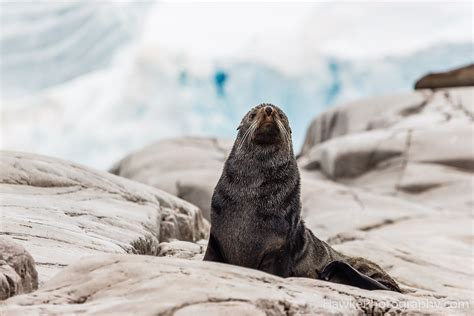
{"points": [[341, 272], [213, 252]]}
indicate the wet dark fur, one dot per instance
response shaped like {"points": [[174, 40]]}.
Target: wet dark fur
{"points": [[256, 206]]}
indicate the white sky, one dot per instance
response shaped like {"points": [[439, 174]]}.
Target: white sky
{"points": [[290, 35]]}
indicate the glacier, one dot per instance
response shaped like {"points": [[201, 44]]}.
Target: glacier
{"points": [[92, 81]]}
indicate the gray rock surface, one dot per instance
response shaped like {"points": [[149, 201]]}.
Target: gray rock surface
{"points": [[17, 269], [389, 179], [398, 188], [183, 249], [61, 211], [422, 109], [125, 284], [424, 156], [425, 248], [187, 167]]}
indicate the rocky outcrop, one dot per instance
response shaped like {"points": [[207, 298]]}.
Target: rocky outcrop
{"points": [[426, 249], [124, 284], [422, 109], [187, 167], [421, 154], [459, 77], [388, 179], [61, 211], [396, 187], [17, 269], [183, 249]]}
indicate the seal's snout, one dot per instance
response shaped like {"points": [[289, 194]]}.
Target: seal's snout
{"points": [[265, 124], [268, 110]]}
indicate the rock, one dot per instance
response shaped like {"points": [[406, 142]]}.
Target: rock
{"points": [[416, 110], [183, 249], [459, 77], [364, 115], [381, 184], [61, 211], [416, 163], [354, 154], [331, 209], [125, 284], [17, 269], [396, 188], [187, 167], [426, 254], [426, 249], [420, 155], [388, 179]]}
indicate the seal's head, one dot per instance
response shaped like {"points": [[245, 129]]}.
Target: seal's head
{"points": [[265, 125]]}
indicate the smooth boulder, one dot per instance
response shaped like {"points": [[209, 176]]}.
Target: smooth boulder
{"points": [[188, 167], [396, 187], [61, 211], [17, 269], [416, 110]]}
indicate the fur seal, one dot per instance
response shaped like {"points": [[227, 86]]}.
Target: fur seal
{"points": [[256, 207]]}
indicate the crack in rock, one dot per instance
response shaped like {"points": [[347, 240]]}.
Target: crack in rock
{"points": [[357, 199], [417, 108], [385, 222], [174, 309], [458, 106], [404, 160]]}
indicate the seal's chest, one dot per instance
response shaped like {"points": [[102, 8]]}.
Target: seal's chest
{"points": [[246, 246]]}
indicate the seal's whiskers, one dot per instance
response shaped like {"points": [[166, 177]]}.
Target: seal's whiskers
{"points": [[284, 134], [248, 132]]}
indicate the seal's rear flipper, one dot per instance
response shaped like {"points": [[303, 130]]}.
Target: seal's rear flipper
{"points": [[341, 272]]}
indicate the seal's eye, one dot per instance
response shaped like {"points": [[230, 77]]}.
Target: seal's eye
{"points": [[252, 116]]}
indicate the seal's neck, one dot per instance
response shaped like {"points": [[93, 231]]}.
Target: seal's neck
{"points": [[247, 167], [263, 156]]}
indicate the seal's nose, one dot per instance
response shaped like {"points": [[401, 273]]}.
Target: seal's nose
{"points": [[268, 110]]}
